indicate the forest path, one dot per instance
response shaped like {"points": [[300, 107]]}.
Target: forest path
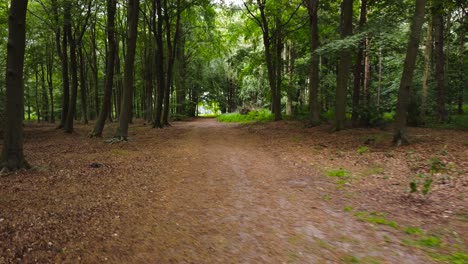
{"points": [[197, 192], [229, 198]]}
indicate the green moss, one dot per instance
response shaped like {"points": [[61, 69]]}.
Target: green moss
{"points": [[348, 208], [339, 173]]}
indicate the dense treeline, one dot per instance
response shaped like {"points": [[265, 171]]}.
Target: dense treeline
{"points": [[162, 60]]}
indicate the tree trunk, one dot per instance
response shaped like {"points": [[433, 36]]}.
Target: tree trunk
{"points": [[65, 76], [314, 82], [45, 99], [160, 75], [343, 66], [84, 105], [427, 69], [359, 69], [462, 64], [400, 134], [36, 94], [125, 113], [50, 84], [439, 59], [74, 76], [12, 154], [379, 87], [109, 81]]}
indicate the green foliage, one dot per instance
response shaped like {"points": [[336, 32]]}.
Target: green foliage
{"points": [[339, 173], [363, 149], [253, 116], [422, 182], [436, 165]]}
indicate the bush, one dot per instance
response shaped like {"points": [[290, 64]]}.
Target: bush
{"points": [[253, 116]]}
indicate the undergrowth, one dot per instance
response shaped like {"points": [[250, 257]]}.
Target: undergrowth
{"points": [[253, 116]]}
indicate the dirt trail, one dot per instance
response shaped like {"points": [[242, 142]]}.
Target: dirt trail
{"points": [[198, 192], [233, 201]]}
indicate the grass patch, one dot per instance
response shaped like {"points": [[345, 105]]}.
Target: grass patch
{"points": [[120, 152], [342, 177], [375, 218], [454, 258], [363, 149], [410, 230], [252, 116]]}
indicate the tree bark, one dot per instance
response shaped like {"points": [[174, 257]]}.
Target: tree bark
{"points": [[400, 131], [439, 58], [462, 63], [426, 73], [343, 66], [50, 83], [314, 82], [160, 75], [359, 68], [84, 105], [125, 114], [65, 76], [12, 157], [74, 77], [109, 81], [45, 99]]}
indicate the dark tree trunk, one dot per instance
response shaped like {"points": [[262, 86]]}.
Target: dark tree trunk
{"points": [[359, 68], [314, 107], [95, 68], [74, 77], [462, 63], [125, 114], [439, 59], [344, 66], [36, 95], [109, 81], [12, 154], [45, 99], [50, 84], [65, 76], [84, 105], [426, 73], [171, 48], [400, 135], [160, 73]]}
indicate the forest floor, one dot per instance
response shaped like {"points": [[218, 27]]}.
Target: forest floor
{"points": [[206, 192]]}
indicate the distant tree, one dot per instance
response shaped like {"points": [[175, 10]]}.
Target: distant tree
{"points": [[12, 154], [400, 135]]}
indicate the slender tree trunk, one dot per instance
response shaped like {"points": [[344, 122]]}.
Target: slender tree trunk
{"points": [[45, 99], [160, 73], [36, 94], [379, 87], [344, 66], [109, 81], [439, 59], [74, 76], [462, 65], [65, 76], [12, 157], [427, 69], [84, 105], [314, 82], [125, 114], [400, 134], [359, 69], [50, 84], [95, 68]]}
